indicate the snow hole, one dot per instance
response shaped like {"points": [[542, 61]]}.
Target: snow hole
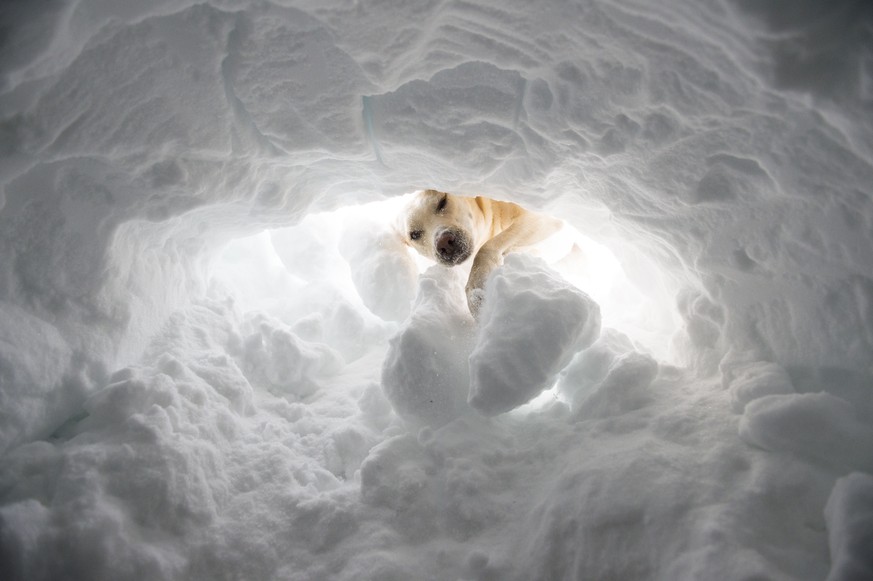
{"points": [[342, 283]]}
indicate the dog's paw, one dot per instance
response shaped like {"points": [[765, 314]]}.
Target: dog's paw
{"points": [[484, 263], [475, 299]]}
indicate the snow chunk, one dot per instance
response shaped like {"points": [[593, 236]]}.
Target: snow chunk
{"points": [[819, 426], [282, 362], [704, 321], [849, 516], [755, 380], [624, 389], [590, 366], [392, 474], [42, 380], [375, 408], [532, 323], [382, 269], [347, 448], [425, 374]]}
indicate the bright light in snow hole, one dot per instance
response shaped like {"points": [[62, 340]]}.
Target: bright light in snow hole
{"points": [[266, 271]]}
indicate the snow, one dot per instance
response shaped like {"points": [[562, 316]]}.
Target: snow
{"points": [[624, 388], [849, 512], [425, 373], [531, 325], [752, 381], [219, 361], [792, 423]]}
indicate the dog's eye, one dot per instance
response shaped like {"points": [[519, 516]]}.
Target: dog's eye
{"points": [[415, 234], [442, 205]]}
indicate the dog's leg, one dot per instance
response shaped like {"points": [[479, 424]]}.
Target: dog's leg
{"points": [[526, 229]]}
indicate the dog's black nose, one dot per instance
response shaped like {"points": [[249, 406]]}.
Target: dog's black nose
{"points": [[445, 245]]}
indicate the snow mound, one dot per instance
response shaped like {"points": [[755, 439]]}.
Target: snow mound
{"points": [[425, 373], [190, 449], [447, 484], [531, 325]]}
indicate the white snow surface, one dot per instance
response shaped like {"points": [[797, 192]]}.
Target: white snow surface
{"points": [[218, 361], [532, 323]]}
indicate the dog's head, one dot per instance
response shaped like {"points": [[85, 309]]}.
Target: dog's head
{"points": [[440, 226]]}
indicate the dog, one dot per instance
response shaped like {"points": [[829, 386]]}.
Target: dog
{"points": [[451, 229]]}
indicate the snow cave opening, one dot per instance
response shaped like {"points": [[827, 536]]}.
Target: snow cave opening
{"points": [[364, 276]]}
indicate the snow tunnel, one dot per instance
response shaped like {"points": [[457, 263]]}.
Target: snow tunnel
{"points": [[216, 362]]}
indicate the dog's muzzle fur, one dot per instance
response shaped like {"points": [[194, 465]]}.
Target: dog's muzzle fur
{"points": [[451, 246]]}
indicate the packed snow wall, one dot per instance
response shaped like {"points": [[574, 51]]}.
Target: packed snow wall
{"points": [[731, 145], [724, 147]]}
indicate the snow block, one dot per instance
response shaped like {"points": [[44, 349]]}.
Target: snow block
{"points": [[817, 426], [624, 389], [382, 269], [42, 379], [278, 360], [849, 517], [425, 374], [590, 366], [532, 323], [394, 474], [755, 380]]}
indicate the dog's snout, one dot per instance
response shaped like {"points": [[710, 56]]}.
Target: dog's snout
{"points": [[451, 247], [445, 244]]}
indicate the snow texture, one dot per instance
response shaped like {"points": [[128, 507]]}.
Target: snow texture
{"points": [[218, 361], [812, 425], [383, 272], [756, 380], [849, 514], [531, 325], [622, 390], [425, 373]]}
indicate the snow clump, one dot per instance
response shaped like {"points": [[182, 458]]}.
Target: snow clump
{"points": [[532, 323], [425, 374], [440, 365]]}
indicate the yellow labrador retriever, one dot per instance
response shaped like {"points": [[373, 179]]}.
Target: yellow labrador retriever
{"points": [[450, 229]]}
